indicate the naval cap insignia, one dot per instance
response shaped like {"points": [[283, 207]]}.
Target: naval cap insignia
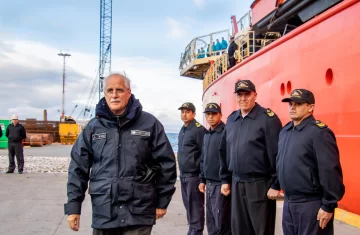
{"points": [[212, 106], [296, 93], [242, 84]]}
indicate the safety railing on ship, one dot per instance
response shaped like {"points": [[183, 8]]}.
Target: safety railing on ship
{"points": [[247, 44], [245, 21], [201, 47], [217, 67]]}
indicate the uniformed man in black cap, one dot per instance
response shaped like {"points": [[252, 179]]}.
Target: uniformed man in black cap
{"points": [[217, 205], [308, 169], [231, 51], [189, 151], [248, 152]]}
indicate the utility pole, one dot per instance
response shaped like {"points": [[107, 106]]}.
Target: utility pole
{"points": [[64, 55]]}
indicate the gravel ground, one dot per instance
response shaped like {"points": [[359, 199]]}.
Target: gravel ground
{"points": [[39, 164]]}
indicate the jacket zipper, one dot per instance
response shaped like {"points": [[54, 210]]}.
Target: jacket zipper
{"points": [[205, 156], [284, 157]]}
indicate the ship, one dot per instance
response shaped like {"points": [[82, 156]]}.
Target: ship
{"points": [[288, 44]]}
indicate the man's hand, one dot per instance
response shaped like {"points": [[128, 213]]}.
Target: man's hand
{"points": [[323, 217], [202, 187], [160, 213], [74, 222], [273, 194], [225, 189]]}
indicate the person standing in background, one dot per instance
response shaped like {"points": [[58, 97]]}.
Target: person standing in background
{"points": [[15, 133]]}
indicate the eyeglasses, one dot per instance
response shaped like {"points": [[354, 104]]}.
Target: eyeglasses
{"points": [[118, 91]]}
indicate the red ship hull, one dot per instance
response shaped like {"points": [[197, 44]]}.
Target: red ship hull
{"points": [[323, 56]]}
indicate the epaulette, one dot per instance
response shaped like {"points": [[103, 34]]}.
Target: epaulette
{"points": [[270, 113], [320, 124], [197, 124]]}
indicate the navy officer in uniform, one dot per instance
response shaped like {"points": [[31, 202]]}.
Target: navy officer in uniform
{"points": [[189, 151], [217, 205], [308, 169], [248, 152]]}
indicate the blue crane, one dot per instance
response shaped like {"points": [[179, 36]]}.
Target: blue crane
{"points": [[105, 41], [104, 58]]}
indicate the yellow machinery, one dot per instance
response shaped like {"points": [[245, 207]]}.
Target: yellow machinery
{"points": [[68, 131]]}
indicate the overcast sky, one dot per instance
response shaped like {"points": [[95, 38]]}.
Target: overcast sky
{"points": [[148, 38]]}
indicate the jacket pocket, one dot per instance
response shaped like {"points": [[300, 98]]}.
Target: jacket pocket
{"points": [[97, 148], [100, 193], [141, 144], [144, 198], [314, 179]]}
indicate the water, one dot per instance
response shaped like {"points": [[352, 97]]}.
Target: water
{"points": [[173, 138]]}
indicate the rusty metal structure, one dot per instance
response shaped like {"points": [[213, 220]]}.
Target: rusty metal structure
{"points": [[44, 127]]}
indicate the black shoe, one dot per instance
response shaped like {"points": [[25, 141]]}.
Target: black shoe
{"points": [[20, 172], [9, 172]]}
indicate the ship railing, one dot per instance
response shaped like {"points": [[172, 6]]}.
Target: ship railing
{"points": [[217, 67], [191, 52], [247, 45], [245, 21]]}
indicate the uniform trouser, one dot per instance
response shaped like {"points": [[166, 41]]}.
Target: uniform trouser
{"points": [[194, 204], [252, 213], [232, 61], [300, 218], [132, 230], [16, 149], [218, 211]]}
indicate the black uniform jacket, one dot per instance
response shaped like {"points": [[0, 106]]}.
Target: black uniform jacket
{"points": [[130, 165], [210, 158], [249, 147], [308, 165], [189, 150]]}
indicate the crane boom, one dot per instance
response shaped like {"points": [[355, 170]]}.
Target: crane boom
{"points": [[105, 41], [105, 54]]}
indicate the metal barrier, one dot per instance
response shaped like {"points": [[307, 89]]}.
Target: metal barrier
{"points": [[245, 21], [201, 47], [217, 67], [247, 44]]}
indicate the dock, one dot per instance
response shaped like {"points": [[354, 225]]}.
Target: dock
{"points": [[32, 203]]}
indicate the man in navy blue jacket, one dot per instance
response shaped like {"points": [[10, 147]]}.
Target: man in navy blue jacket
{"points": [[217, 205], [308, 169], [189, 153], [128, 161], [248, 152]]}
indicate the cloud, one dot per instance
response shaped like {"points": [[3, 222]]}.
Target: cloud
{"points": [[199, 3], [176, 28], [32, 81]]}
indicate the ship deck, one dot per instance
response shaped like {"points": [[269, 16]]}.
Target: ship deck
{"points": [[33, 202]]}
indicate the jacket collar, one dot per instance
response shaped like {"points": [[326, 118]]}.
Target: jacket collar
{"points": [[252, 114], [302, 124], [190, 125], [133, 108], [218, 128]]}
